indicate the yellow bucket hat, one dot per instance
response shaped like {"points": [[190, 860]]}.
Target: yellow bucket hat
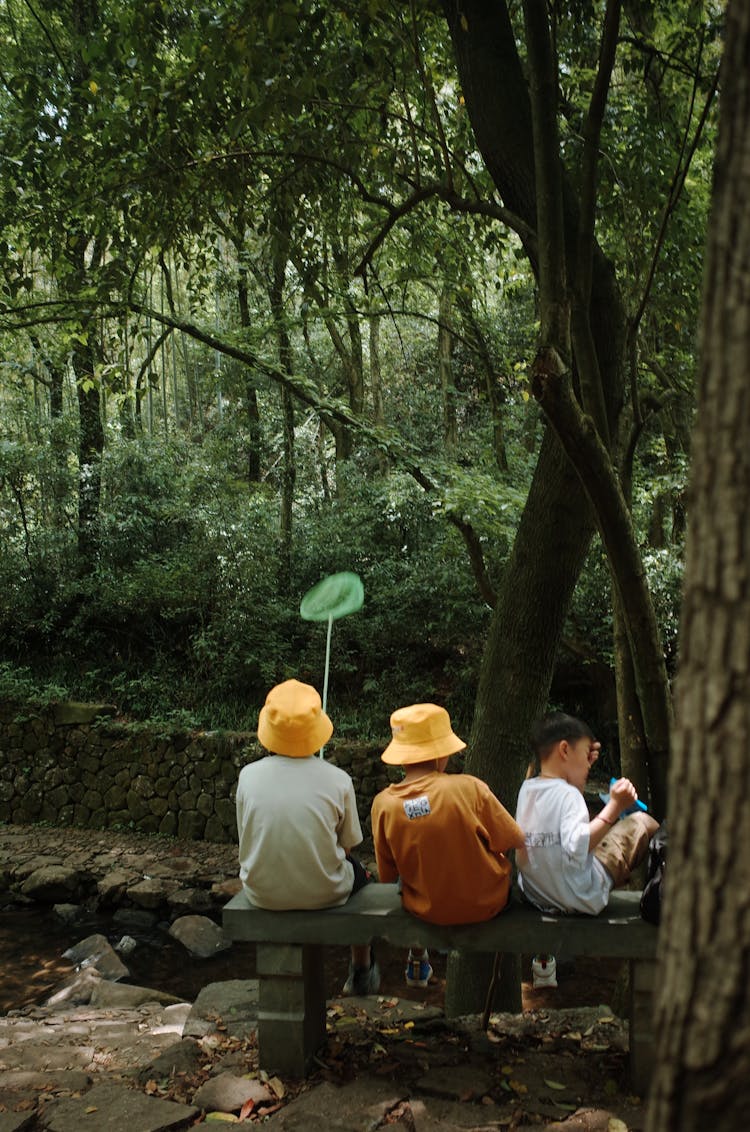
{"points": [[421, 732], [292, 721]]}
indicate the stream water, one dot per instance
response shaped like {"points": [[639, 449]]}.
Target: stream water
{"points": [[32, 943]]}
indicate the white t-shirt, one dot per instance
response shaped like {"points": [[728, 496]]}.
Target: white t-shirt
{"points": [[556, 870], [296, 820]]}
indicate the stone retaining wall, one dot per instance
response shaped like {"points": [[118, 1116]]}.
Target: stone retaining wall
{"points": [[76, 764]]}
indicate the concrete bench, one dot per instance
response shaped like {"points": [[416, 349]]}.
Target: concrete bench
{"points": [[289, 962]]}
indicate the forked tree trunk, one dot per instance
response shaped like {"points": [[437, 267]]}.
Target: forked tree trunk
{"points": [[702, 1072], [556, 525], [548, 553]]}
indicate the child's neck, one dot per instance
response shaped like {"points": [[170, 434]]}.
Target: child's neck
{"points": [[419, 770]]}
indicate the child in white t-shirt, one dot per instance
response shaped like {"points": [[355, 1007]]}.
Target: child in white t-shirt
{"points": [[570, 862]]}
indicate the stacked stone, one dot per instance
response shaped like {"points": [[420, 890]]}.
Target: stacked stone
{"points": [[78, 765]]}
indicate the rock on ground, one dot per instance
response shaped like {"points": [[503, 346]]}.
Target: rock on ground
{"points": [[116, 1109], [200, 936]]}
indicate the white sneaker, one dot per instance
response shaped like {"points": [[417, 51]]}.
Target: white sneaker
{"points": [[544, 971]]}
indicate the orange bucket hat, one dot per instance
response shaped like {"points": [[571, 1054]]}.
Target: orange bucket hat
{"points": [[421, 732], [292, 721]]}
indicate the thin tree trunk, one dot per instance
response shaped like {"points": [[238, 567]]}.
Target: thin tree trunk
{"points": [[251, 393], [629, 717], [90, 450], [702, 1071], [445, 369], [280, 253], [376, 384]]}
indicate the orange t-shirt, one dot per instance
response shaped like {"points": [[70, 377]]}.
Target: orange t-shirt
{"points": [[445, 836]]}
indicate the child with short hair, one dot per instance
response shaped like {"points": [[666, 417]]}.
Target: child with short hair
{"points": [[570, 862]]}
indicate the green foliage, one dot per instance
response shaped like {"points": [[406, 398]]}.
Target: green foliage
{"points": [[153, 161]]}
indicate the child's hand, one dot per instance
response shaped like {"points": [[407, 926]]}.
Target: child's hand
{"points": [[594, 750], [623, 793]]}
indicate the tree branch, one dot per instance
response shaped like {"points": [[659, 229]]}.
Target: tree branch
{"points": [[675, 190], [457, 203]]}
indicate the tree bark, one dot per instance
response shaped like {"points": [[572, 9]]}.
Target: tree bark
{"points": [[90, 451], [445, 369], [280, 259], [583, 445], [251, 393], [556, 525], [702, 1070]]}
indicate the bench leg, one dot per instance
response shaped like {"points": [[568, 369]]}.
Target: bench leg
{"points": [[291, 1006], [642, 980]]}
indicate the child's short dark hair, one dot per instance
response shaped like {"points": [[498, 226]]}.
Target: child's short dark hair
{"points": [[555, 727]]}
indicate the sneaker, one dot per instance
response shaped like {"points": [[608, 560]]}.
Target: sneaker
{"points": [[362, 981], [418, 970], [544, 971]]}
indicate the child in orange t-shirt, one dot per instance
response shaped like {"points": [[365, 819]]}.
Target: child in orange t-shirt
{"points": [[443, 836]]}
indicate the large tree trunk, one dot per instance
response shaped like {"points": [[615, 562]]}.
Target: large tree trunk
{"points": [[556, 525], [548, 553], [702, 1073]]}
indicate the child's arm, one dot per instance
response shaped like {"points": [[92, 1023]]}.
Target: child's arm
{"points": [[386, 865], [504, 831], [622, 795]]}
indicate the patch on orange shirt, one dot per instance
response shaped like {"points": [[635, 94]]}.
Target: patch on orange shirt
{"points": [[417, 807]]}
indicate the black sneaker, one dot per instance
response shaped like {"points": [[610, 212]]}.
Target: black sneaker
{"points": [[362, 981]]}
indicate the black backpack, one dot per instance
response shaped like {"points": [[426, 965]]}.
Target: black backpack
{"points": [[653, 892]]}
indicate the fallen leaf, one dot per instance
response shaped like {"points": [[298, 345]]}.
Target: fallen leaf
{"points": [[247, 1108], [277, 1085], [616, 1125], [151, 1087], [518, 1087], [554, 1084], [226, 1117], [91, 1108]]}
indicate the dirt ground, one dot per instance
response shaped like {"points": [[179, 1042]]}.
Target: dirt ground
{"points": [[563, 1063]]}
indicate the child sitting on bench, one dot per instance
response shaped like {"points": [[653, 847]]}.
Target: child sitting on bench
{"points": [[570, 862], [297, 820], [443, 836]]}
